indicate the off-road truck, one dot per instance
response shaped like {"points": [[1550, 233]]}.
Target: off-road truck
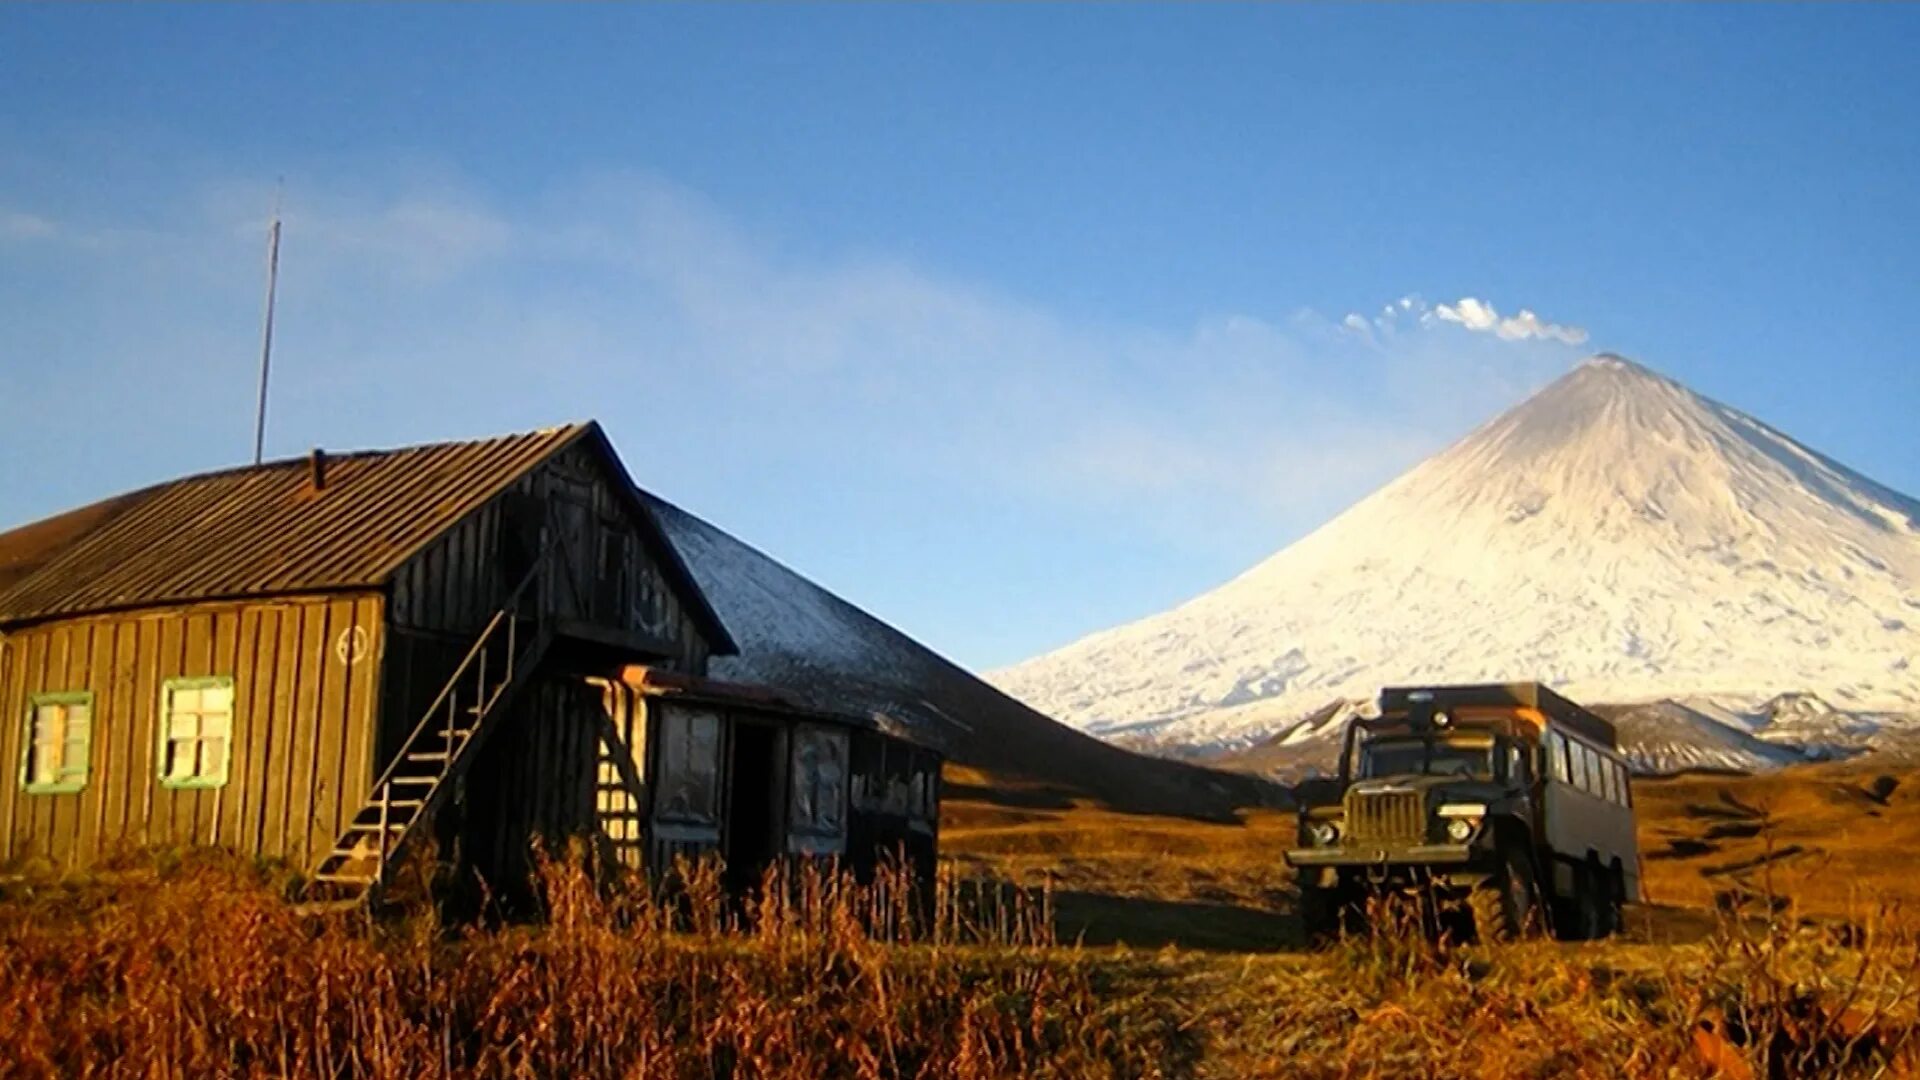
{"points": [[1506, 801]]}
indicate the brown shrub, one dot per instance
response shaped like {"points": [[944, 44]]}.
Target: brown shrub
{"points": [[206, 970]]}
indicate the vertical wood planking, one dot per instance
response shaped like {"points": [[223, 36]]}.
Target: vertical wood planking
{"points": [[12, 721], [101, 743], [148, 664], [332, 722], [227, 653], [281, 733], [124, 660], [168, 662], [310, 663], [229, 825], [352, 777], [120, 768]]}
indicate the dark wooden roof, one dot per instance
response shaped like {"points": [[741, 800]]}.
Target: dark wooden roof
{"points": [[265, 530]]}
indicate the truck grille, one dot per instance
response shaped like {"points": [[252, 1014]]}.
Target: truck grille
{"points": [[1386, 817]]}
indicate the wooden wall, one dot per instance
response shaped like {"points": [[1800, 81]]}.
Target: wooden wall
{"points": [[304, 688], [533, 781], [602, 573], [443, 596]]}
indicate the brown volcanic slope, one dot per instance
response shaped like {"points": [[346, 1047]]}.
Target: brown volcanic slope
{"points": [[795, 634]]}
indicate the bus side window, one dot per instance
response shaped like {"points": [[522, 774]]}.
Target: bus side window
{"points": [[1610, 779], [1626, 785]]}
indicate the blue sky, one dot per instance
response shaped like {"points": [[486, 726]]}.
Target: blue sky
{"points": [[1007, 322]]}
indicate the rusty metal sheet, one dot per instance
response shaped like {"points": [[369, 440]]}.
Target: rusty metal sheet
{"points": [[260, 530]]}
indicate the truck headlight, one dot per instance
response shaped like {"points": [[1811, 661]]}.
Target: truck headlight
{"points": [[1460, 829], [1324, 833]]}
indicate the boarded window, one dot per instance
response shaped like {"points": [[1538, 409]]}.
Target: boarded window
{"points": [[196, 732], [819, 803], [58, 743], [690, 765]]}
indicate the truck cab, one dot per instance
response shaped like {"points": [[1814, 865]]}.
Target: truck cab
{"points": [[1509, 799]]}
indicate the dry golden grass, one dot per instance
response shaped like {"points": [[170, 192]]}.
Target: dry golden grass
{"points": [[1832, 837], [203, 969], [206, 970]]}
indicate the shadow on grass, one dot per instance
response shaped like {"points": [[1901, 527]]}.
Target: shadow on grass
{"points": [[1104, 919], [1017, 798]]}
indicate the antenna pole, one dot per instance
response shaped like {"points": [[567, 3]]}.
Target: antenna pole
{"points": [[266, 334]]}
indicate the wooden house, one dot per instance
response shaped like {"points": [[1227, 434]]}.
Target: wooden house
{"points": [[329, 659], [753, 775]]}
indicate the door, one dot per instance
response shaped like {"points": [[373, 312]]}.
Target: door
{"points": [[574, 551], [752, 831]]}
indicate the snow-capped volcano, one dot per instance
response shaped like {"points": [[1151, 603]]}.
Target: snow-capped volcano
{"points": [[1615, 535]]}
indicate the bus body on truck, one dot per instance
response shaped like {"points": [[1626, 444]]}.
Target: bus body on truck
{"points": [[1508, 797]]}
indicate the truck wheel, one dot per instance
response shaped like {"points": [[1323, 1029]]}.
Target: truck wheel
{"points": [[1323, 913], [1616, 900], [1589, 903], [1505, 906]]}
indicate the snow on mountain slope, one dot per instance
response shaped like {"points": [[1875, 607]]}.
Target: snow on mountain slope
{"points": [[1670, 737], [1616, 535], [795, 635], [1657, 737]]}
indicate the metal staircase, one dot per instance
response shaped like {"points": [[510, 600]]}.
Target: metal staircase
{"points": [[503, 659]]}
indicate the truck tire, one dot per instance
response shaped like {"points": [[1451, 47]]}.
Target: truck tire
{"points": [[1589, 903], [1324, 913], [1506, 905], [1616, 900]]}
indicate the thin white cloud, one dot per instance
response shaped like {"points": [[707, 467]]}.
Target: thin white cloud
{"points": [[613, 295], [18, 225], [1481, 317]]}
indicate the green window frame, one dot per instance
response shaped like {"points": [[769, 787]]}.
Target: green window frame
{"points": [[71, 739], [196, 732]]}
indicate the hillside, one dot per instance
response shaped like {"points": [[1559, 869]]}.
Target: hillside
{"points": [[1616, 535]]}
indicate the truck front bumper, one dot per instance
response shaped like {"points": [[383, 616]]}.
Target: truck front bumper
{"points": [[1361, 855]]}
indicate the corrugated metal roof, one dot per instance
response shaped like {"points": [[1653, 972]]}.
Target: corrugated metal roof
{"points": [[264, 530]]}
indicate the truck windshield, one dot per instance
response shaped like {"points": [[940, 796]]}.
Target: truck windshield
{"points": [[1399, 757]]}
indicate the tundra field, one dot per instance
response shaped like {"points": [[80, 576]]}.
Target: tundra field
{"points": [[1781, 938]]}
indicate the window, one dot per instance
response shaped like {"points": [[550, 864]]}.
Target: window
{"points": [[1582, 767], [819, 782], [58, 743], [690, 765], [1433, 757], [1554, 757], [1609, 780], [196, 731]]}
